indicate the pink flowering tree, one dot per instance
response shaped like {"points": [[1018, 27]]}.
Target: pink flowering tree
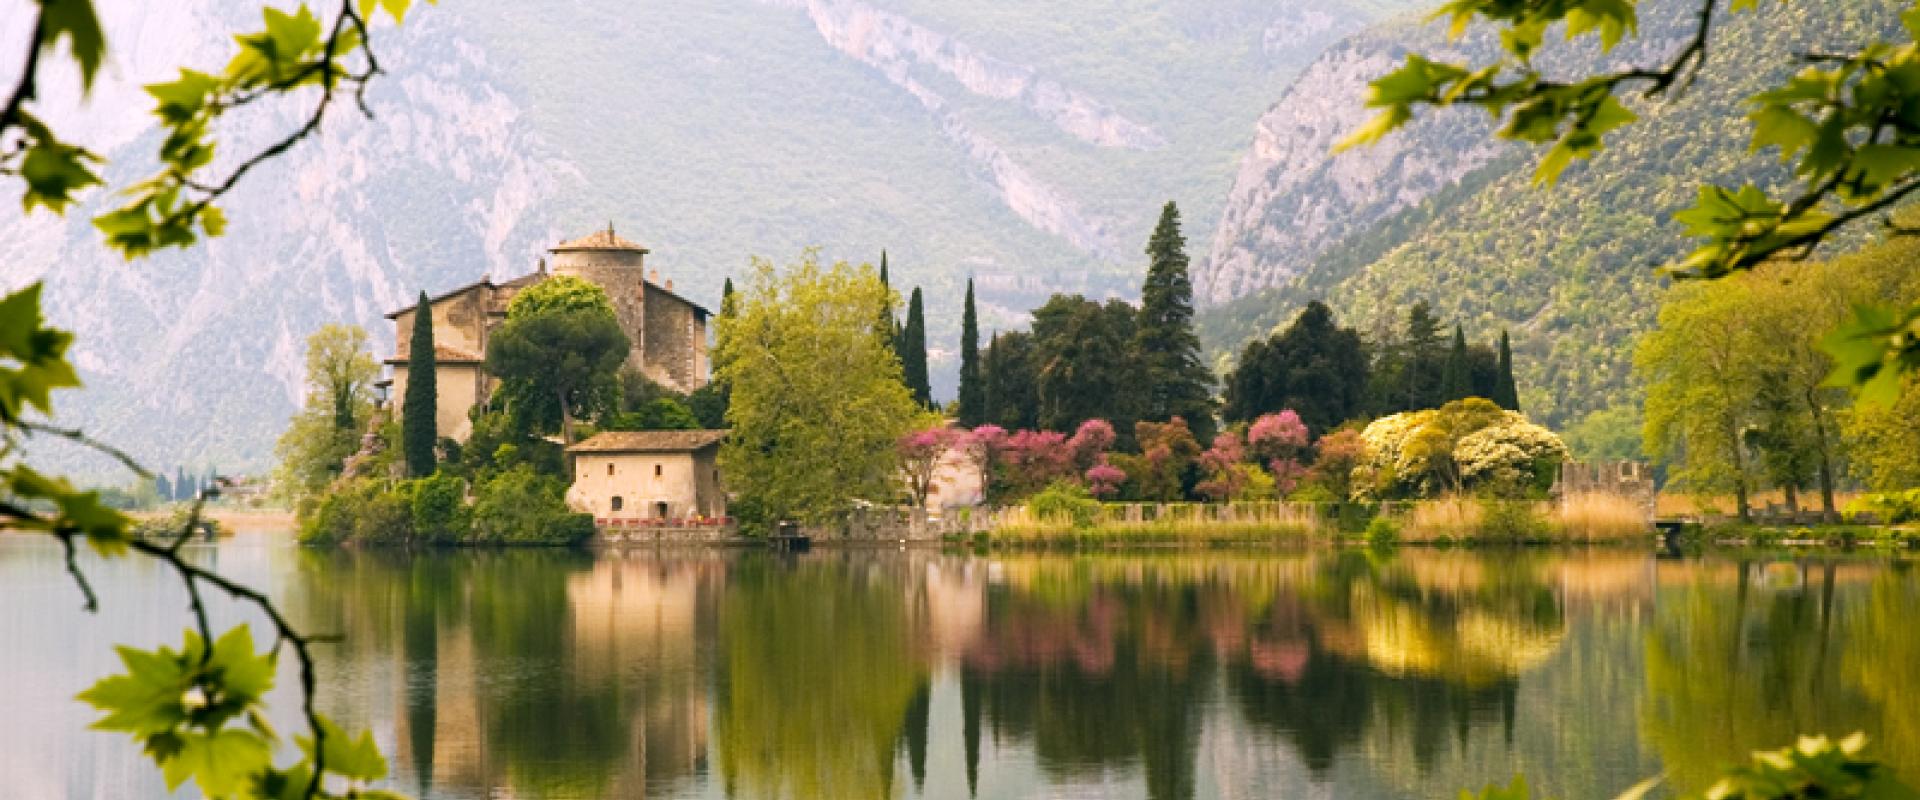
{"points": [[920, 453], [1280, 441], [983, 445], [1032, 459], [1221, 462], [1091, 442], [1104, 479]]}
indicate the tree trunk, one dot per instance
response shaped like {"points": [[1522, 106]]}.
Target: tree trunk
{"points": [[1739, 475], [1827, 510], [1793, 499]]}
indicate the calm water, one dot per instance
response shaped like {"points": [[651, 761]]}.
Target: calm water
{"points": [[887, 674]]}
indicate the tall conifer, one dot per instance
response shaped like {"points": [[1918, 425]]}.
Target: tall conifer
{"points": [[1456, 380], [913, 351], [887, 327], [972, 393], [1506, 393], [419, 431], [1176, 383]]}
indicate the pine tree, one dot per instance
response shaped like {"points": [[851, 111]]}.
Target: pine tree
{"points": [[913, 351], [972, 393], [1423, 360], [1176, 383], [1456, 380], [419, 431], [1506, 393], [887, 327]]}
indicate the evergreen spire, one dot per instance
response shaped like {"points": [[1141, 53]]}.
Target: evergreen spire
{"points": [[1506, 392], [1177, 383], [1456, 380], [913, 351], [418, 426], [972, 394], [887, 328]]}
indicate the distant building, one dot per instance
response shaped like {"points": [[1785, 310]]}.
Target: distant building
{"points": [[668, 332], [648, 475]]}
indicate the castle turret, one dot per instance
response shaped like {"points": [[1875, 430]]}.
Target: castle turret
{"points": [[668, 333]]}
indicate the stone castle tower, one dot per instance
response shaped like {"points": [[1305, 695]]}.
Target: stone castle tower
{"points": [[668, 332]]}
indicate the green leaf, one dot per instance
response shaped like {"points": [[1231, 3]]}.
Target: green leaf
{"points": [[75, 20], [53, 171], [220, 763], [355, 758]]}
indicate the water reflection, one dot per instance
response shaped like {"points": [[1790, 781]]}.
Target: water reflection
{"points": [[1174, 677]]}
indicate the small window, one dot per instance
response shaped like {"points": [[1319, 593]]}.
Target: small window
{"points": [[618, 503], [656, 470], [660, 510], [609, 469]]}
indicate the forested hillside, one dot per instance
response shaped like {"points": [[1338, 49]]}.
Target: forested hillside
{"points": [[1567, 268]]}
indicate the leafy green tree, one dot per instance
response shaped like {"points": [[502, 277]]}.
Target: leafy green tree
{"points": [[1009, 375], [1697, 366], [818, 401], [973, 397], [659, 414], [1174, 381], [1084, 364], [1846, 122], [912, 345], [340, 375], [422, 404], [1506, 393], [552, 363], [559, 293], [1314, 367], [1884, 443], [1456, 379]]}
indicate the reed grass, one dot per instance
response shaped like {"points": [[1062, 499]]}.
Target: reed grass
{"points": [[1597, 517]]}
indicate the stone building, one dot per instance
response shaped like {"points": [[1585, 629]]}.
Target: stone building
{"points": [[668, 331], [648, 475]]}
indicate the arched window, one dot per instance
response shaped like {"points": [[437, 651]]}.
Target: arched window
{"points": [[618, 503]]}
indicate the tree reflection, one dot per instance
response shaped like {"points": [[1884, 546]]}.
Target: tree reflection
{"points": [[817, 679]]}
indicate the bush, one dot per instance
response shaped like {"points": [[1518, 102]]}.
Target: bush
{"points": [[1511, 521], [362, 512], [1065, 501], [1383, 532], [1890, 507], [522, 506], [440, 514]]}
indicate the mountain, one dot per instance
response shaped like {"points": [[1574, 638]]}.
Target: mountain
{"points": [[1439, 212], [1027, 143]]}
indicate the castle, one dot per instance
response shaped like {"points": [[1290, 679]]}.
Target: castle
{"points": [[668, 332]]}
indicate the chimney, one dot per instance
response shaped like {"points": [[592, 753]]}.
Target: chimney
{"points": [[669, 284], [654, 276]]}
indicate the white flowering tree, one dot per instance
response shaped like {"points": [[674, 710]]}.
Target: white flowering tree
{"points": [[1468, 445]]}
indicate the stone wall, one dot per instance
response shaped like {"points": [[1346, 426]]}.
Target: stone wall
{"points": [[676, 341]]}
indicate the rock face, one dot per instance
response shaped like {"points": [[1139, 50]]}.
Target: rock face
{"points": [[1293, 197]]}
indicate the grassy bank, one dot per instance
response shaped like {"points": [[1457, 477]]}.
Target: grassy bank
{"points": [[1582, 519]]}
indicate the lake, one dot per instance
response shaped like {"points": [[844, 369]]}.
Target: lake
{"points": [[880, 673]]}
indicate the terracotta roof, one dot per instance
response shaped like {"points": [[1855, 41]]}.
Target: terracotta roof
{"points": [[599, 240], [649, 442], [443, 354]]}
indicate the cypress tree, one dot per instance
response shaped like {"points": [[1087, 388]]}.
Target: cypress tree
{"points": [[887, 328], [418, 426], [1506, 393], [913, 351], [972, 394], [182, 487], [1456, 380], [1176, 383], [162, 488], [726, 292]]}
